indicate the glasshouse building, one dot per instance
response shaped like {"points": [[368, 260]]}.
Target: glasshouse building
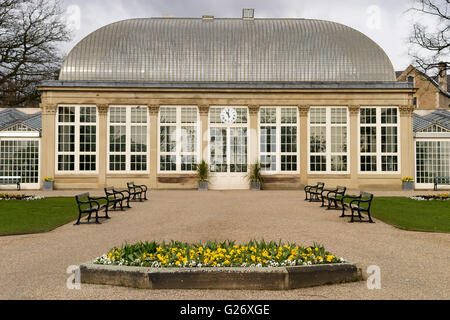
{"points": [[145, 100]]}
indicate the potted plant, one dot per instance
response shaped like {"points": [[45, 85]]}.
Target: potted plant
{"points": [[407, 183], [254, 176], [48, 184], [202, 172]]}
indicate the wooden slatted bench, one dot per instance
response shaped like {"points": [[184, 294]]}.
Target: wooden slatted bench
{"points": [[90, 205], [17, 180], [313, 188], [441, 180], [333, 197], [137, 191], [358, 204]]}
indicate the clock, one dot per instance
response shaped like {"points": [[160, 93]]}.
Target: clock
{"points": [[228, 115]]}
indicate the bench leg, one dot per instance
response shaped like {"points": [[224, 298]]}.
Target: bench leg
{"points": [[78, 221]]}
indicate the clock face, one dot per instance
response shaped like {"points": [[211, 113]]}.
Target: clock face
{"points": [[228, 115]]}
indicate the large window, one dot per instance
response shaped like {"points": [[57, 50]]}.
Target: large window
{"points": [[378, 139], [178, 138], [328, 140], [278, 132], [432, 160], [128, 134], [20, 157], [77, 139]]}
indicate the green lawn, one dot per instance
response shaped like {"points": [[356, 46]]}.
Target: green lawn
{"points": [[411, 214], [18, 216]]}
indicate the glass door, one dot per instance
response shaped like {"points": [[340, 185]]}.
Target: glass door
{"points": [[228, 144]]}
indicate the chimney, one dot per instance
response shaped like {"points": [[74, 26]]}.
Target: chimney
{"points": [[442, 77], [248, 14]]}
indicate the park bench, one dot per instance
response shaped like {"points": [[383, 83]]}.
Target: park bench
{"points": [[315, 192], [441, 180], [333, 197], [4, 180], [116, 197], [359, 204], [90, 205], [314, 188], [137, 191]]}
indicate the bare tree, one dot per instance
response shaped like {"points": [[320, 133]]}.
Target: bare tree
{"points": [[430, 46], [30, 31]]}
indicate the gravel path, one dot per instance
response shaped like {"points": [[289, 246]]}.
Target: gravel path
{"points": [[414, 265]]}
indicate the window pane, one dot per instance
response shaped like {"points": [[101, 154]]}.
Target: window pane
{"points": [[389, 163], [368, 139], [88, 114], [389, 139], [317, 115], [117, 162], [338, 139], [167, 163], [288, 115], [268, 115], [188, 139], [389, 115], [20, 158], [268, 162], [288, 139], [288, 163], [188, 162], [189, 115], [66, 114], [117, 139], [317, 139], [318, 163], [168, 115], [368, 163], [117, 114], [268, 139], [138, 115], [167, 138], [138, 162], [338, 115], [138, 139], [368, 115], [338, 163]]}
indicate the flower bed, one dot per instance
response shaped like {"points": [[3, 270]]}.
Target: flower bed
{"points": [[5, 196], [212, 254], [442, 196]]}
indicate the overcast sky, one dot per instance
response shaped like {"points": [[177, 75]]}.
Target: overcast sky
{"points": [[384, 21]]}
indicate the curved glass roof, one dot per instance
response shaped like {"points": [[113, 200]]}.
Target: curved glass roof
{"points": [[188, 49]]}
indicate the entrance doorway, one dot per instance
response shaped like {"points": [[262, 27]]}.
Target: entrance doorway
{"points": [[228, 147]]}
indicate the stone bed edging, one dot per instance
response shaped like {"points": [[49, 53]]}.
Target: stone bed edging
{"points": [[252, 278]]}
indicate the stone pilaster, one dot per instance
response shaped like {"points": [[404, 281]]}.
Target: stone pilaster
{"points": [[204, 111], [353, 147], [406, 139], [48, 147], [253, 150], [303, 161], [154, 136], [102, 110]]}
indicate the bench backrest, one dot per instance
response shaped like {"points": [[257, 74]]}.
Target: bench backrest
{"points": [[79, 197], [441, 180], [320, 185], [10, 180], [341, 190], [367, 196]]}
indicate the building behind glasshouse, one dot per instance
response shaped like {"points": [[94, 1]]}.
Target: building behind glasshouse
{"points": [[145, 100]]}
